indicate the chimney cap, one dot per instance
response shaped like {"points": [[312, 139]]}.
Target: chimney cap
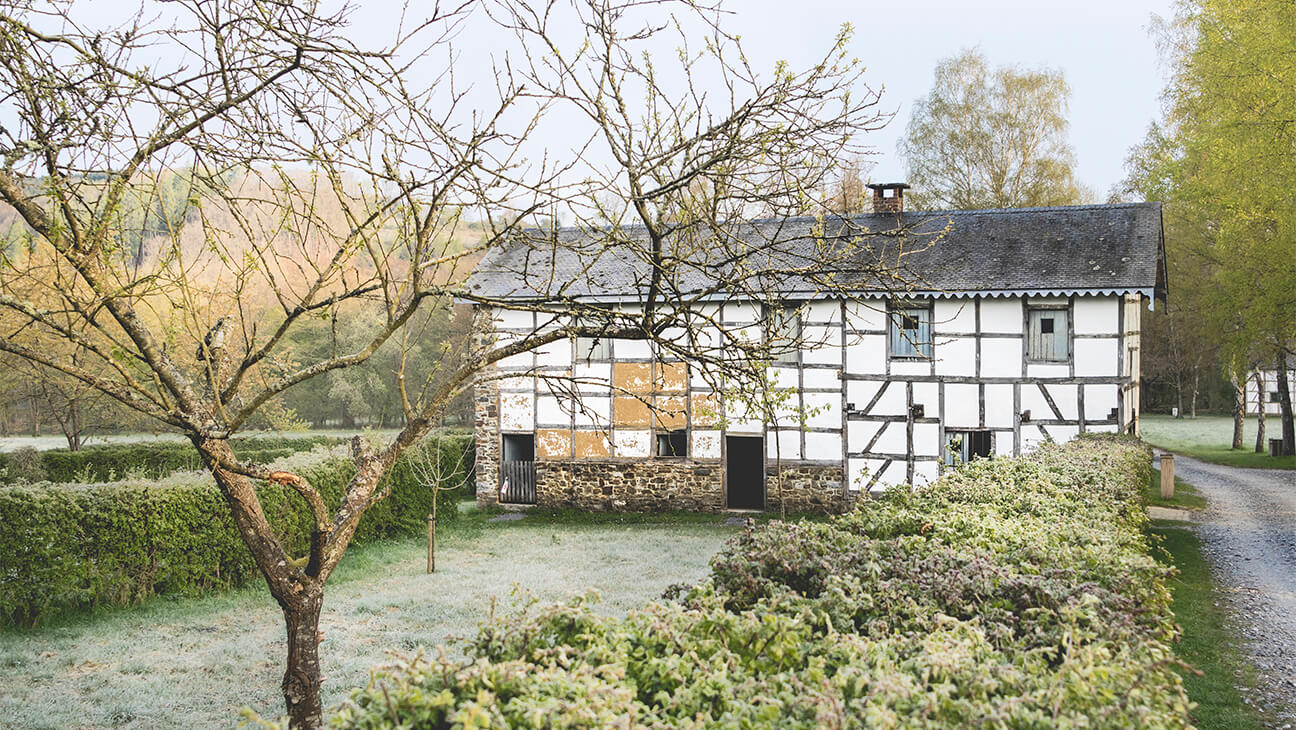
{"points": [[879, 187]]}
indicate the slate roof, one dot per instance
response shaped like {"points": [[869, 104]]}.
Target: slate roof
{"points": [[1113, 249]]}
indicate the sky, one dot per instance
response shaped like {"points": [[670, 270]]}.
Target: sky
{"points": [[1103, 47]]}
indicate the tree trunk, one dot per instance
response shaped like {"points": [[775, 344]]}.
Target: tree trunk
{"points": [[1195, 390], [1239, 408], [1260, 411], [1179, 409], [301, 682], [1285, 404]]}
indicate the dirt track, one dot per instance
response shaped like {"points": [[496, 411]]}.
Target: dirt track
{"points": [[1249, 536]]}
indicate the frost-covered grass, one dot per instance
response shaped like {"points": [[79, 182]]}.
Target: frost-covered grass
{"points": [[194, 663], [1209, 438]]}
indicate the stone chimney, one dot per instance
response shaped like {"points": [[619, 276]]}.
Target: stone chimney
{"points": [[888, 197]]}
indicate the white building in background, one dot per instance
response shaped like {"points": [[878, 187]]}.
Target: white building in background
{"points": [[1026, 330], [1262, 388]]}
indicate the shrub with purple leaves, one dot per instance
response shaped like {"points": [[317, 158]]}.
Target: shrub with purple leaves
{"points": [[1011, 593]]}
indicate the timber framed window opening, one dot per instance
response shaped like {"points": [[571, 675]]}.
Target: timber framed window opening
{"points": [[911, 331], [593, 349], [962, 447], [672, 444], [1047, 333], [784, 331]]}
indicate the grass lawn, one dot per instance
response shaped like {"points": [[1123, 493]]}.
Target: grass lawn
{"points": [[1186, 495], [195, 662], [1208, 438], [1206, 644]]}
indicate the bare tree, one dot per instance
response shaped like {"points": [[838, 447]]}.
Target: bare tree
{"points": [[324, 181]]}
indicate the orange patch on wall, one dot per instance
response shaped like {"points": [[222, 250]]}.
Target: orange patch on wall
{"points": [[672, 377], [628, 411], [593, 445], [669, 412], [706, 410], [554, 444], [632, 377]]}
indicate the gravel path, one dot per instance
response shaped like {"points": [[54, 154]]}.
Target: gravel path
{"points": [[1249, 536]]}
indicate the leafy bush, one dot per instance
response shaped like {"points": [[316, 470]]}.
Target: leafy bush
{"points": [[150, 460], [71, 546], [1011, 593], [23, 465]]}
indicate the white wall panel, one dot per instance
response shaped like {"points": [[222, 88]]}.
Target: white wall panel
{"points": [[892, 403], [822, 345], [926, 439], [866, 354], [1061, 434], [514, 320], [823, 311], [632, 444], [955, 356], [867, 315], [926, 471], [1031, 437], [631, 349], [782, 377], [1100, 399], [860, 392], [962, 405], [858, 473], [1097, 315], [524, 360], [894, 440], [819, 378], [823, 447], [1035, 370], [1001, 357], [999, 406], [1032, 399], [901, 368], [524, 383], [1002, 315], [742, 312], [593, 411], [787, 445], [557, 354], [549, 412], [594, 377], [892, 476], [1003, 443], [954, 316], [706, 445], [859, 433], [1067, 398], [826, 409], [1095, 357], [928, 396], [517, 411]]}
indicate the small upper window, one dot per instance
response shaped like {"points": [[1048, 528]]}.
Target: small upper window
{"points": [[785, 335], [911, 331], [1046, 335], [593, 349], [962, 447], [672, 443]]}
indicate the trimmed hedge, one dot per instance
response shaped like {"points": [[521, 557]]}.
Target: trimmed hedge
{"points": [[1012, 593], [155, 460], [66, 547]]}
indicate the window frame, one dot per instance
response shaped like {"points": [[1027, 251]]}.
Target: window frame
{"points": [[1066, 333], [600, 344], [922, 349], [947, 456], [668, 434], [784, 319]]}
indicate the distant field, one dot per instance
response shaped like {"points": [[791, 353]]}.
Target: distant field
{"points": [[1209, 437]]}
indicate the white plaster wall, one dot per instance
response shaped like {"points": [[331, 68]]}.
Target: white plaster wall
{"points": [[706, 444], [523, 383], [517, 411], [999, 406], [632, 444], [859, 433], [1097, 315], [823, 446], [866, 354], [631, 349], [739, 312], [1031, 436], [522, 360], [557, 354], [1061, 434], [1001, 357], [926, 439], [549, 412], [822, 345], [955, 356], [1067, 398], [782, 377], [1003, 443], [784, 445], [1095, 357], [892, 403], [927, 395], [867, 315], [910, 367], [1036, 370], [818, 378], [860, 392], [1002, 315], [894, 475], [1099, 400], [826, 409], [894, 440], [857, 474], [513, 320], [954, 316], [594, 377], [824, 311], [926, 472], [1032, 399], [593, 411], [962, 405]]}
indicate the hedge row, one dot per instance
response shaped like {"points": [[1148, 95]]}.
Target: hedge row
{"points": [[1012, 593], [154, 460], [66, 547]]}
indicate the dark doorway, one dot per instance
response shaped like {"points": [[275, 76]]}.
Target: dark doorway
{"points": [[517, 469], [745, 472]]}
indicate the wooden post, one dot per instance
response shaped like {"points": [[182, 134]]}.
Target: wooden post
{"points": [[431, 560], [1167, 476]]}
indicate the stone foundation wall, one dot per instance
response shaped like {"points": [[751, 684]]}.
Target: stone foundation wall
{"points": [[658, 485], [486, 433]]}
